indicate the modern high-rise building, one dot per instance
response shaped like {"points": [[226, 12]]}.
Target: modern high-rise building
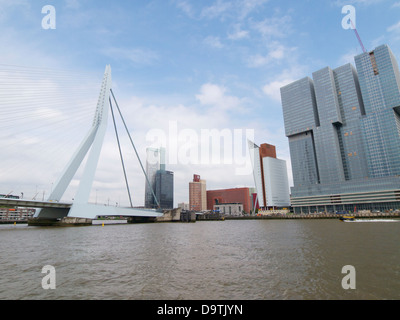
{"points": [[343, 127], [197, 194], [164, 189], [270, 176], [153, 164], [161, 181]]}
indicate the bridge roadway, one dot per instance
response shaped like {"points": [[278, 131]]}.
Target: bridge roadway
{"points": [[89, 211], [33, 203]]}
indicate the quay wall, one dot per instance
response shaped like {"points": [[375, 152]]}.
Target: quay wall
{"points": [[378, 215]]}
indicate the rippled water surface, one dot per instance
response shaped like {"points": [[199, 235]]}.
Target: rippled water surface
{"points": [[251, 259]]}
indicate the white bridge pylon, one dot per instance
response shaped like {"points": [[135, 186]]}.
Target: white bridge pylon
{"points": [[92, 142]]}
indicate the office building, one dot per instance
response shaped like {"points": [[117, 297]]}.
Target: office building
{"points": [[270, 177], [197, 194], [343, 127], [161, 181], [164, 189]]}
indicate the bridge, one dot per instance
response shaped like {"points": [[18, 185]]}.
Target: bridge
{"points": [[8, 202], [53, 209]]}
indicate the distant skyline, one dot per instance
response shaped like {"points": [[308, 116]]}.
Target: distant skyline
{"points": [[186, 64]]}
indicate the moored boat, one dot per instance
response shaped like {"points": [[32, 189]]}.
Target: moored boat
{"points": [[347, 218]]}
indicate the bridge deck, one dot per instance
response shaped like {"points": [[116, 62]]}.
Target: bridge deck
{"points": [[81, 210], [34, 203]]}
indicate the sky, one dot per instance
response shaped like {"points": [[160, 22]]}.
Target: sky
{"points": [[185, 72]]}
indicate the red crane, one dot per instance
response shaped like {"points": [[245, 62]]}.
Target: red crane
{"points": [[358, 36]]}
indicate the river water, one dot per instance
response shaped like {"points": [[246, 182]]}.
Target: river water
{"points": [[210, 260]]}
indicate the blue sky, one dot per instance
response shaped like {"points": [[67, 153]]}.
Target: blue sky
{"points": [[199, 64]]}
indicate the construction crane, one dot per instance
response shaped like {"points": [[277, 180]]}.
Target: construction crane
{"points": [[357, 35]]}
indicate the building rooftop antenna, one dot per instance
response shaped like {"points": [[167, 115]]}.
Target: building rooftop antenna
{"points": [[358, 36]]}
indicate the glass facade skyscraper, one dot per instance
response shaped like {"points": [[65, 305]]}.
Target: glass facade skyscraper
{"points": [[343, 127], [380, 82], [161, 181], [153, 164], [164, 189]]}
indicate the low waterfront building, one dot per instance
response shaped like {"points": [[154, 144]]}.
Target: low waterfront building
{"points": [[16, 214], [233, 209], [227, 196]]}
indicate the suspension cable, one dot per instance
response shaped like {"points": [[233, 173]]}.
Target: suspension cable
{"points": [[120, 153], [137, 155]]}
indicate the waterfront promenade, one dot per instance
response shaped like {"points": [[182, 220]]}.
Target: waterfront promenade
{"points": [[375, 215], [290, 216]]}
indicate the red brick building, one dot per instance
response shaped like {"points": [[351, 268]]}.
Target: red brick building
{"points": [[197, 194], [236, 195], [267, 150]]}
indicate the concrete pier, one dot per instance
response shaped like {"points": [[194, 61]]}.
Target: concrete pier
{"points": [[64, 222], [173, 215]]}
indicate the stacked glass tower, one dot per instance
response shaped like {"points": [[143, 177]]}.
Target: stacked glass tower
{"points": [[154, 161], [161, 181], [343, 127], [164, 188]]}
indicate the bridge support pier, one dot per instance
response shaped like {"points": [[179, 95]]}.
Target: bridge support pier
{"points": [[141, 219], [63, 222]]}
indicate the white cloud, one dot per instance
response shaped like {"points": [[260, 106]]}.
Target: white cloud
{"points": [[72, 4], [212, 94], [248, 6], [341, 3], [216, 10], [394, 28], [277, 52], [5, 4], [137, 56], [272, 88], [238, 10], [185, 7], [237, 33], [234, 9], [10, 9], [349, 57], [274, 27], [214, 42]]}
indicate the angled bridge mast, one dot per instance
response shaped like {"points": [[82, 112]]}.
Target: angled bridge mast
{"points": [[93, 141]]}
